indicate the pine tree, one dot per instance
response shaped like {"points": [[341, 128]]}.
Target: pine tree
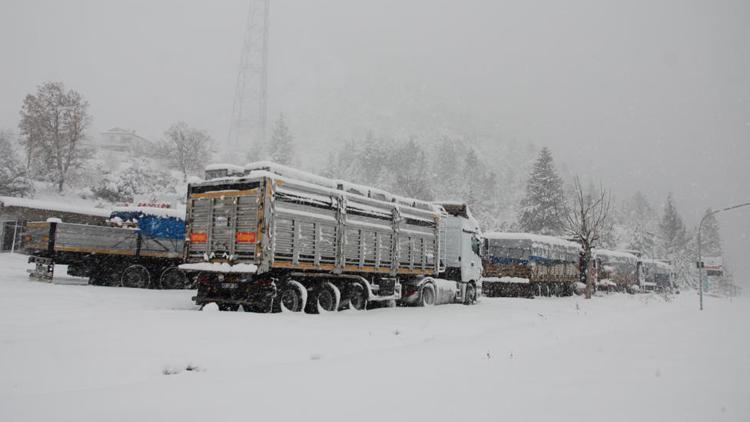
{"points": [[408, 171], [674, 244], [710, 237], [13, 177], [640, 220], [673, 235], [543, 206], [281, 147]]}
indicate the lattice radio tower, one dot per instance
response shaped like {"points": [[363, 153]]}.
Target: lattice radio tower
{"points": [[247, 130]]}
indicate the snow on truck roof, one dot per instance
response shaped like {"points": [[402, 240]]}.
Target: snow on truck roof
{"points": [[657, 263], [152, 211], [535, 239], [616, 255], [285, 173], [9, 201]]}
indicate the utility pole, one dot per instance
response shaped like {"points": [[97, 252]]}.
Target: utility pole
{"points": [[700, 258], [247, 129]]}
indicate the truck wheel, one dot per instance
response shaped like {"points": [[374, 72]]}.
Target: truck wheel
{"points": [[471, 295], [358, 297], [325, 298], [427, 298], [293, 297], [173, 278], [136, 276]]}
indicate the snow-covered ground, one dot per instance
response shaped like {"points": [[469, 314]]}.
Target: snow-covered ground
{"points": [[83, 353]]}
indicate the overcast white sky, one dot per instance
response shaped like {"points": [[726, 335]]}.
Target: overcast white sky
{"points": [[650, 95]]}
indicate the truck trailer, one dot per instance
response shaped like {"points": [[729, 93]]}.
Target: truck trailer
{"points": [[141, 248], [268, 237]]}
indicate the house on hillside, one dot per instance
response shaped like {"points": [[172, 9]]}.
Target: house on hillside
{"points": [[122, 141], [15, 212]]}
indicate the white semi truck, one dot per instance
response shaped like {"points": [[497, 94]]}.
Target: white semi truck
{"points": [[268, 237]]}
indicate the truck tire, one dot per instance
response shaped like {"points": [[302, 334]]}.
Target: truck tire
{"points": [[357, 297], [326, 298], [293, 297], [427, 297], [173, 278], [136, 276], [471, 294]]}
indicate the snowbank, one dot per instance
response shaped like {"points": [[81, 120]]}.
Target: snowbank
{"points": [[89, 353]]}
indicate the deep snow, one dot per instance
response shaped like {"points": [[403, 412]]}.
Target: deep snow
{"points": [[86, 353]]}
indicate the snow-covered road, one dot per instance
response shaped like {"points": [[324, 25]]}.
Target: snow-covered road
{"points": [[85, 353]]}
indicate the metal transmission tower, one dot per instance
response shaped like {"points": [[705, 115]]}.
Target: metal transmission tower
{"points": [[247, 131]]}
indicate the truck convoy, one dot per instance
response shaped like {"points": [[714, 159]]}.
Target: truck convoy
{"points": [[141, 248], [267, 237], [524, 264]]}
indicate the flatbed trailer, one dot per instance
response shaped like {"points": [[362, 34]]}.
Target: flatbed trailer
{"points": [[275, 238], [110, 256]]}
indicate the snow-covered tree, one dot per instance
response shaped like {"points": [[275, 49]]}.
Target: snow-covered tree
{"points": [[13, 179], [543, 207], [134, 182], [446, 168], [585, 219], [710, 236], [640, 224], [281, 147], [673, 237], [187, 149], [53, 125], [675, 244]]}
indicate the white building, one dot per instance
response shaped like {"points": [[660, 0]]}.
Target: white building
{"points": [[122, 141]]}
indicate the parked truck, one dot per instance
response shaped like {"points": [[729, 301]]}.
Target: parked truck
{"points": [[142, 248], [267, 237]]}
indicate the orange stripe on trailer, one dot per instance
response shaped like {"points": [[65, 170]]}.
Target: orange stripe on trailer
{"points": [[199, 237], [245, 237]]}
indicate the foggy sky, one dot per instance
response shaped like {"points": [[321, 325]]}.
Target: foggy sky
{"points": [[649, 95]]}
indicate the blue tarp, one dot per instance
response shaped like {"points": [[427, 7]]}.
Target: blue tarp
{"points": [[153, 225]]}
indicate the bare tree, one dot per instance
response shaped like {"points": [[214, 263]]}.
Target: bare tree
{"points": [[53, 125], [186, 148], [586, 220]]}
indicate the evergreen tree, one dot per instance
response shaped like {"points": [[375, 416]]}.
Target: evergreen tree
{"points": [[674, 244], [446, 168], [13, 177], [673, 235], [710, 237], [281, 147], [409, 171], [543, 206], [640, 220]]}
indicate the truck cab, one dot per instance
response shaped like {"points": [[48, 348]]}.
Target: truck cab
{"points": [[462, 239]]}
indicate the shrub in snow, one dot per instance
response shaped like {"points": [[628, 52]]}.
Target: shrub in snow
{"points": [[133, 181], [13, 177]]}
